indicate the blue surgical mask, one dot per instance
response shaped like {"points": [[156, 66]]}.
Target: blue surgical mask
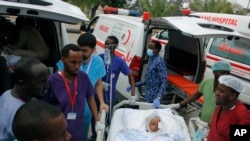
{"points": [[150, 52]]}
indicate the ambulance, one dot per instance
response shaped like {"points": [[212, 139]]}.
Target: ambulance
{"points": [[49, 18], [235, 51], [184, 53], [240, 23]]}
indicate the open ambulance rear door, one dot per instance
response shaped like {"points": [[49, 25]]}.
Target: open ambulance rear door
{"points": [[189, 40]]}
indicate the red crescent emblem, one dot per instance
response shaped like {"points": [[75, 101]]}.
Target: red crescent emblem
{"points": [[126, 41]]}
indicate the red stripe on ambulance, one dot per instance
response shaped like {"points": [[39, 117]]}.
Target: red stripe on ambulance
{"points": [[233, 64]]}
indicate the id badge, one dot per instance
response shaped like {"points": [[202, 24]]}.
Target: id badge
{"points": [[71, 116]]}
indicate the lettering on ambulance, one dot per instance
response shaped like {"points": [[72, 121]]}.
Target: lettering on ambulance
{"points": [[104, 28], [226, 21], [233, 50]]}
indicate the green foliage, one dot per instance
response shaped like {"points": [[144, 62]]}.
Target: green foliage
{"points": [[217, 6], [159, 8], [114, 3]]}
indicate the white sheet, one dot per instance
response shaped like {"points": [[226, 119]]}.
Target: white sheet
{"points": [[131, 134], [125, 118]]}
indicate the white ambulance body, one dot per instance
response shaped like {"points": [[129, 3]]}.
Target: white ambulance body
{"points": [[237, 52], [185, 53], [240, 23]]}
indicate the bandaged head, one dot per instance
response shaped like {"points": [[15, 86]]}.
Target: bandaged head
{"points": [[153, 122], [222, 65]]}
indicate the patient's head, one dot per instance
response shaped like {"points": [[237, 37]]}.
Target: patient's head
{"points": [[152, 122]]}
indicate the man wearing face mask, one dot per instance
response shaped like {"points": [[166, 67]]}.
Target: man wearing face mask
{"points": [[155, 77]]}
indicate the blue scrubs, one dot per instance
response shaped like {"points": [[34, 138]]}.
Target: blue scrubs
{"points": [[96, 70]]}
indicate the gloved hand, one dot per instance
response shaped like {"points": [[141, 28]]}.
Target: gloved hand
{"points": [[156, 103], [99, 126], [132, 100], [201, 124], [174, 106], [128, 88], [105, 86]]}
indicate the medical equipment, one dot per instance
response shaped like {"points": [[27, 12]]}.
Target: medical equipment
{"points": [[107, 61], [124, 118], [107, 56], [100, 131], [197, 131]]}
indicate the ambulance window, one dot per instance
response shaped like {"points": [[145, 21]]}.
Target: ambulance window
{"points": [[216, 45], [164, 35], [235, 50]]}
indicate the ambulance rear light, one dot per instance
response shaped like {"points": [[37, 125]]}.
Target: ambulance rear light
{"points": [[120, 11], [135, 67]]}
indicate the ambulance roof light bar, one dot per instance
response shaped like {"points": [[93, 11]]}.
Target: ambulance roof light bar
{"points": [[120, 11], [146, 16]]}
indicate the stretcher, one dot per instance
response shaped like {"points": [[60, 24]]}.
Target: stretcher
{"points": [[182, 87], [128, 118]]}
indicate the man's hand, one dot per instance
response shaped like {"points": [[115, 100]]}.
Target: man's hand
{"points": [[128, 88], [105, 107], [132, 100], [99, 126], [201, 124], [174, 106], [105, 86], [156, 103]]}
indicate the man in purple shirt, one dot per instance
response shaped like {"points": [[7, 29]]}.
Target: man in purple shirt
{"points": [[68, 90]]}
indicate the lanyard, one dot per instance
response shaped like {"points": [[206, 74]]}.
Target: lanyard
{"points": [[90, 62], [72, 96]]}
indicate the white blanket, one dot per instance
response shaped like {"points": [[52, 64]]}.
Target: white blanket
{"points": [[125, 118], [131, 134]]}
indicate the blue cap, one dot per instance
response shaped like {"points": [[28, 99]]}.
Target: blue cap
{"points": [[222, 65]]}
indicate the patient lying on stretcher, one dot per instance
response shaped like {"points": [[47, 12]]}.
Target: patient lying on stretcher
{"points": [[153, 131]]}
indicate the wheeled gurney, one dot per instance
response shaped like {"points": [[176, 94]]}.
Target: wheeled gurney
{"points": [[123, 118]]}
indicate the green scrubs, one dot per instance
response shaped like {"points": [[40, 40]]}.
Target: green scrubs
{"points": [[206, 88]]}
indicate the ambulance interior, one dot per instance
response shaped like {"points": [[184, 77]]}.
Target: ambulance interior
{"points": [[185, 64]]}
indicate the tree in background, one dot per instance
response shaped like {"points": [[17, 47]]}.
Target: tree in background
{"points": [[216, 6], [160, 8]]}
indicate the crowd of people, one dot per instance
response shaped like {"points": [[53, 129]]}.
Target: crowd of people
{"points": [[76, 89], [67, 102]]}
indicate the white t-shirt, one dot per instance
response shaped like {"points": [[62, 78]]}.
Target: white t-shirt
{"points": [[8, 107]]}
